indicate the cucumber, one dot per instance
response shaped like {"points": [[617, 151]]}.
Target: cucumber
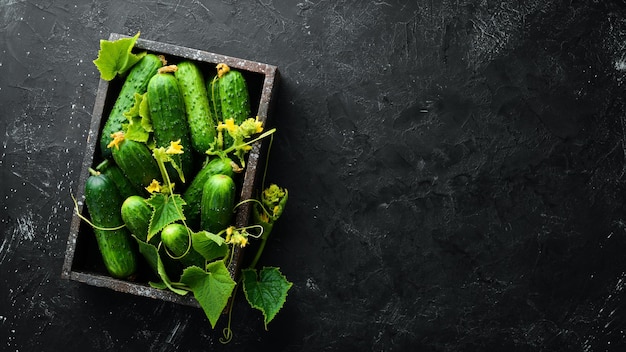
{"points": [[136, 214], [167, 110], [135, 82], [136, 162], [176, 239], [233, 94], [201, 122], [218, 202], [193, 193], [124, 185], [116, 246]]}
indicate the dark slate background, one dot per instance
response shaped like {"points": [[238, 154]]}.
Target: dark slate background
{"points": [[456, 173]]}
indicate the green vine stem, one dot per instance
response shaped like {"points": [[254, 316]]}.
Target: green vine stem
{"points": [[266, 231]]}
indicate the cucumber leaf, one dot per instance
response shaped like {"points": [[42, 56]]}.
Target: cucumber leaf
{"points": [[139, 124], [116, 57], [211, 288], [269, 293], [209, 245], [167, 209], [151, 254], [144, 112]]}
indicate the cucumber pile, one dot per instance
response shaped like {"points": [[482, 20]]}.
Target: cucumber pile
{"points": [[179, 112], [164, 187]]}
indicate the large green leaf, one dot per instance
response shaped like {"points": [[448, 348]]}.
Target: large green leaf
{"points": [[212, 288], [268, 293], [151, 254], [116, 57], [209, 245], [167, 209]]}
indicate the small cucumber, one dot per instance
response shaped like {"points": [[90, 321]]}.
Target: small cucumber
{"points": [[193, 193], [234, 96], [116, 246], [218, 202], [167, 111], [176, 239], [136, 82], [136, 214], [124, 185], [201, 123], [136, 161]]}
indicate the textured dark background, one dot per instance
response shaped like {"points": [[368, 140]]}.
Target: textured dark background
{"points": [[456, 173]]}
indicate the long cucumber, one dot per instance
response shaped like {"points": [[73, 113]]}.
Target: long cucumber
{"points": [[201, 122], [167, 111], [136, 82], [116, 246]]}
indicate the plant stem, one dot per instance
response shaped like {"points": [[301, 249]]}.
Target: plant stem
{"points": [[266, 232]]}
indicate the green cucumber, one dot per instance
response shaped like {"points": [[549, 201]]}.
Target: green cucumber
{"points": [[201, 122], [124, 185], [193, 193], [176, 238], [218, 202], [136, 214], [233, 93], [136, 161], [116, 246], [136, 82], [167, 111]]}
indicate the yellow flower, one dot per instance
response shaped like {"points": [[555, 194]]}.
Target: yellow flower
{"points": [[239, 239], [229, 233], [222, 69], [250, 126], [118, 137], [155, 186], [175, 148], [228, 124], [259, 125], [233, 236], [263, 216]]}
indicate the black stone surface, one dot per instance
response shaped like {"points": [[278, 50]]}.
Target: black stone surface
{"points": [[456, 174]]}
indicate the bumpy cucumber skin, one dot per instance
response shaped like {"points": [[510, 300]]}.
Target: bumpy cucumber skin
{"points": [[167, 111], [193, 194], [117, 247], [218, 202], [124, 185], [234, 96], [176, 238], [136, 214], [136, 161], [136, 82], [201, 123]]}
